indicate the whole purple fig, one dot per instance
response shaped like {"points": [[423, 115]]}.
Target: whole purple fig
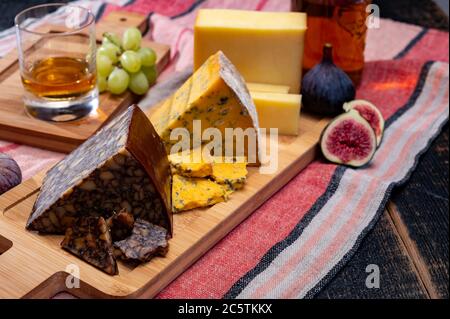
{"points": [[325, 88], [10, 174]]}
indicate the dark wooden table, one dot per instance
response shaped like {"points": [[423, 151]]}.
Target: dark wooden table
{"points": [[410, 243]]}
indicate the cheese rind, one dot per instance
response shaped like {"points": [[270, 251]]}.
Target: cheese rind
{"points": [[123, 165], [278, 111], [216, 95], [266, 47], [268, 88]]}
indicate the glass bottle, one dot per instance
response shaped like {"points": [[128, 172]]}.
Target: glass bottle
{"points": [[341, 23]]}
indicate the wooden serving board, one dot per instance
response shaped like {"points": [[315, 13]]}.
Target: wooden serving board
{"points": [[34, 265], [17, 126]]}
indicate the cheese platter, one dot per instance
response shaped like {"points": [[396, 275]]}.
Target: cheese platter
{"points": [[132, 204], [36, 267]]}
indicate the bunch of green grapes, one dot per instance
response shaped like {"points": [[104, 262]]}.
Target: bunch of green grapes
{"points": [[122, 63]]}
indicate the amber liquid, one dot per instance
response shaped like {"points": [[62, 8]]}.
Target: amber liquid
{"points": [[341, 23], [59, 78]]}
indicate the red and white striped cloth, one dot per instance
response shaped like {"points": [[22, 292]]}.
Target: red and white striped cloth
{"points": [[292, 245]]}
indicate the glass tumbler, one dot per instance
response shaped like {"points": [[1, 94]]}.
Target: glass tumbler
{"points": [[56, 45]]}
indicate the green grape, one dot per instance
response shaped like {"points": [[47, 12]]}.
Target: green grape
{"points": [[118, 81], [138, 83], [150, 73], [111, 51], [148, 56], [102, 83], [110, 37], [130, 61], [104, 65], [131, 39]]}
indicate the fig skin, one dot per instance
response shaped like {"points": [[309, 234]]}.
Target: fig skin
{"points": [[325, 88], [10, 174], [356, 141], [371, 114]]}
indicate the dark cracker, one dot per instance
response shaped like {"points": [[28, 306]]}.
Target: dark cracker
{"points": [[120, 225], [146, 241], [89, 239]]}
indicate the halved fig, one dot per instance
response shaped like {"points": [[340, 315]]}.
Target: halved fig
{"points": [[370, 113], [349, 139]]}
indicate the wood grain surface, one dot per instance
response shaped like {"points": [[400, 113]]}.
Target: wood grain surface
{"points": [[35, 265]]}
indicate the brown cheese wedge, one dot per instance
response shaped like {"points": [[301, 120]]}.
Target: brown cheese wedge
{"points": [[124, 165]]}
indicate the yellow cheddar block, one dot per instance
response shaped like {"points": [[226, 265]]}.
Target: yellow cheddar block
{"points": [[216, 95], [269, 88], [231, 174], [266, 47], [280, 111], [189, 193]]}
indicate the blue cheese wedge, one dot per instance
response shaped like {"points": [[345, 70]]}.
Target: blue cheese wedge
{"points": [[216, 95], [189, 193], [233, 174]]}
